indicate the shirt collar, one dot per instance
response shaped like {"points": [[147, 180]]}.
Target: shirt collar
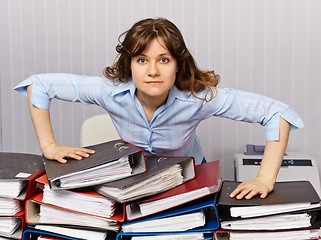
{"points": [[124, 87]]}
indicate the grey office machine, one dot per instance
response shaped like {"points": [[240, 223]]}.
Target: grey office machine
{"points": [[295, 167]]}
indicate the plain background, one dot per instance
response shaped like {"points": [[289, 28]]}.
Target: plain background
{"points": [[270, 47]]}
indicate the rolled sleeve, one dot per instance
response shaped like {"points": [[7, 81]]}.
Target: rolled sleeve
{"points": [[272, 128], [66, 87], [39, 96]]}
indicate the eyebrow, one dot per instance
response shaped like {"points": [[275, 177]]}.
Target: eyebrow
{"points": [[162, 54]]}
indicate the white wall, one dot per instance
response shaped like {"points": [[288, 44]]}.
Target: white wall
{"points": [[267, 46]]}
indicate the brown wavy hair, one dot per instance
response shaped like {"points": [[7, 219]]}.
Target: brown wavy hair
{"points": [[188, 76]]}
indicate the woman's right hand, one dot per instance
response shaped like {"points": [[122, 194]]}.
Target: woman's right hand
{"points": [[57, 152]]}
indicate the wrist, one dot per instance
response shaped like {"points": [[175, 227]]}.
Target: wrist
{"points": [[45, 147], [267, 181]]}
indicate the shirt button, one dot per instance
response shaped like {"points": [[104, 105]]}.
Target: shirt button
{"points": [[149, 129]]}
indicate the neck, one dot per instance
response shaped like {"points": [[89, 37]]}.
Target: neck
{"points": [[150, 104]]}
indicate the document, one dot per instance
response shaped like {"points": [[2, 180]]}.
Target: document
{"points": [[286, 235], [177, 223], [51, 215], [12, 189], [106, 172], [147, 208], [9, 206], [164, 180], [81, 201], [275, 222], [182, 236], [8, 226], [271, 209], [74, 232]]}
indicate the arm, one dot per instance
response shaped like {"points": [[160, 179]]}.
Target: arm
{"points": [[271, 163], [49, 147]]}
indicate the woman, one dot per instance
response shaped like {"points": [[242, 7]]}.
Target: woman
{"points": [[156, 97]]}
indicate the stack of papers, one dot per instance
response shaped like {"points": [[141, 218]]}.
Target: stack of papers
{"points": [[8, 225], [288, 235], [73, 232], [186, 236], [78, 201], [177, 223], [9, 206], [147, 208], [103, 173], [12, 188], [277, 222], [263, 210], [162, 181], [52, 215]]}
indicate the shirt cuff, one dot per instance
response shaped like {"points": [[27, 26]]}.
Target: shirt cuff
{"points": [[39, 96]]}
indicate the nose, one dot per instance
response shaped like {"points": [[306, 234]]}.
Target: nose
{"points": [[153, 69]]}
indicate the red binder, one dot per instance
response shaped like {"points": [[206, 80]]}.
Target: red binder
{"points": [[43, 180], [32, 214], [206, 176]]}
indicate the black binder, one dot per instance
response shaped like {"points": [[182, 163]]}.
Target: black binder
{"points": [[154, 165], [22, 168], [104, 153], [283, 193]]}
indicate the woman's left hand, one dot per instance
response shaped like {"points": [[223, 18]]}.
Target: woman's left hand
{"points": [[250, 188]]}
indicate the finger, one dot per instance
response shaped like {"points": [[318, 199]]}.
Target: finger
{"points": [[86, 150], [243, 193], [237, 190], [82, 154], [61, 160], [74, 156], [251, 194], [263, 195]]}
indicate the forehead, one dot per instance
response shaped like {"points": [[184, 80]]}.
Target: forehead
{"points": [[156, 46]]}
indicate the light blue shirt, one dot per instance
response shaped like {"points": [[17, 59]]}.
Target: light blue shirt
{"points": [[172, 131]]}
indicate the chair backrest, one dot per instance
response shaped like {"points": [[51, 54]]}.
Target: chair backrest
{"points": [[97, 129]]}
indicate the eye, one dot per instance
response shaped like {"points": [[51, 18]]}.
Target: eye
{"points": [[164, 60], [141, 60]]}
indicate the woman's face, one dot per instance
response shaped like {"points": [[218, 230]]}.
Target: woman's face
{"points": [[154, 71]]}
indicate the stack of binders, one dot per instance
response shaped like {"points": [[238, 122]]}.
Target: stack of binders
{"points": [[187, 211], [291, 211], [17, 183], [68, 208], [88, 200]]}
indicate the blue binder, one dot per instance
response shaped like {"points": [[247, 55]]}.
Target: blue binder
{"points": [[27, 234], [212, 223]]}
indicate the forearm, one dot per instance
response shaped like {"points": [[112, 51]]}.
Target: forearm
{"points": [[274, 153], [42, 123], [270, 166], [49, 147]]}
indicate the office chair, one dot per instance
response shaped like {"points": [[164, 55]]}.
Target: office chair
{"points": [[97, 129]]}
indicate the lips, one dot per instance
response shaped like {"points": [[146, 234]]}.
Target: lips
{"points": [[154, 82]]}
